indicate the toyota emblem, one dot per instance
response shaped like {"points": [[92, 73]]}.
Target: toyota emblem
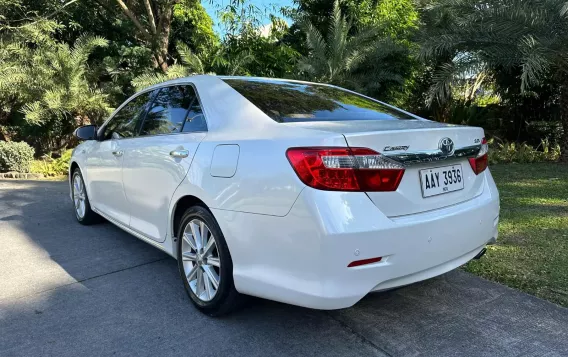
{"points": [[446, 146]]}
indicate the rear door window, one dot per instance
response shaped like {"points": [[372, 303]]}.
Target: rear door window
{"points": [[168, 110], [195, 120], [287, 102]]}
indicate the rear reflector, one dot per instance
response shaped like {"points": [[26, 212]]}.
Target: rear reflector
{"points": [[479, 163], [345, 169], [364, 262]]}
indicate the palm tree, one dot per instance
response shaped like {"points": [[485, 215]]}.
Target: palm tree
{"points": [[333, 58], [190, 63], [366, 60], [529, 37]]}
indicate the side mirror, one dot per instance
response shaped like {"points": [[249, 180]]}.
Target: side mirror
{"points": [[87, 132]]}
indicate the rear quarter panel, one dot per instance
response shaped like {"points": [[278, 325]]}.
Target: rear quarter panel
{"points": [[263, 183]]}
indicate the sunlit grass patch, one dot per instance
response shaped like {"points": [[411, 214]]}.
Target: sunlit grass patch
{"points": [[532, 250]]}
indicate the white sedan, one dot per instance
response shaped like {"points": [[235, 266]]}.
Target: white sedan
{"points": [[303, 193]]}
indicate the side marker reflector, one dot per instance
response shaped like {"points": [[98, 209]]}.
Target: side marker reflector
{"points": [[364, 262]]}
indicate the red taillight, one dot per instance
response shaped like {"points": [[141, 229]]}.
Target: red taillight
{"points": [[345, 169], [479, 163]]}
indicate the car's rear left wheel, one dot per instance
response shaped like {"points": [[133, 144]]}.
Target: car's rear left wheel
{"points": [[205, 263]]}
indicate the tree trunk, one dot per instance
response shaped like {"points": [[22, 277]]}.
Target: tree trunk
{"points": [[163, 33], [157, 35], [564, 119], [4, 135], [160, 61], [4, 121]]}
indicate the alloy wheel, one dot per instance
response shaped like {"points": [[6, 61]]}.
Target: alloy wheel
{"points": [[201, 261], [79, 196]]}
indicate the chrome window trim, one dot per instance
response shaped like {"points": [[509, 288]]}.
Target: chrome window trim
{"points": [[154, 135], [418, 157]]}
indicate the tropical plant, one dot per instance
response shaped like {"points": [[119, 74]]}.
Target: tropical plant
{"points": [[49, 166], [524, 38], [193, 26], [360, 59], [246, 34], [333, 57], [191, 64], [505, 152], [14, 88], [47, 82]]}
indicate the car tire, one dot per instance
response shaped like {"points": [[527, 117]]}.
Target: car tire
{"points": [[82, 207], [206, 268]]}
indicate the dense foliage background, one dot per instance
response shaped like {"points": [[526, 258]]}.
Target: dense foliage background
{"points": [[499, 64]]}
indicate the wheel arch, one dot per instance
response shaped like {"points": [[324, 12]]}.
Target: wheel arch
{"points": [[181, 205], [72, 166]]}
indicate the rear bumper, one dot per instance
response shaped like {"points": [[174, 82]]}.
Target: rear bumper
{"points": [[302, 258]]}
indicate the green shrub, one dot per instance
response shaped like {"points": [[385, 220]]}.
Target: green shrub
{"points": [[551, 130], [52, 167], [522, 153], [15, 156]]}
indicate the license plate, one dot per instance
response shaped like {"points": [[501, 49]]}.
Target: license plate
{"points": [[439, 180]]}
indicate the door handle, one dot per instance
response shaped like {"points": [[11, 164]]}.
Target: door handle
{"points": [[117, 153], [179, 153]]}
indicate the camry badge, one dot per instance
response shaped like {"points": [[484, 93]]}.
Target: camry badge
{"points": [[394, 148], [446, 146]]}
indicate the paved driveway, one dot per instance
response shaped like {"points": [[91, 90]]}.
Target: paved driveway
{"points": [[69, 290]]}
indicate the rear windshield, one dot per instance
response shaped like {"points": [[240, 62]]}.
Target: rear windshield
{"points": [[288, 102]]}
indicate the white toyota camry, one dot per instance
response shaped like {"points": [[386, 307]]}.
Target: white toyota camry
{"points": [[303, 193]]}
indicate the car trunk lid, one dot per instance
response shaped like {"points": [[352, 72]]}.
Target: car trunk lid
{"points": [[416, 143]]}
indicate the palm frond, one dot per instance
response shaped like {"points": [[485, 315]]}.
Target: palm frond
{"points": [[190, 59], [526, 36], [85, 45], [238, 64], [442, 79], [533, 63], [564, 9], [315, 41], [147, 79], [337, 37], [34, 113]]}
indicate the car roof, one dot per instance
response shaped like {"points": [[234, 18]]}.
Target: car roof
{"points": [[203, 78], [269, 80]]}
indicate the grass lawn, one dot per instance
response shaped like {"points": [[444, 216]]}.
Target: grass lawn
{"points": [[531, 253]]}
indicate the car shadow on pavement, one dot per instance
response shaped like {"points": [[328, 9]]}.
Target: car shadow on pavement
{"points": [[71, 290]]}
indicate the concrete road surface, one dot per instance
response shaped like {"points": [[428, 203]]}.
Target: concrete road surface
{"points": [[69, 290]]}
